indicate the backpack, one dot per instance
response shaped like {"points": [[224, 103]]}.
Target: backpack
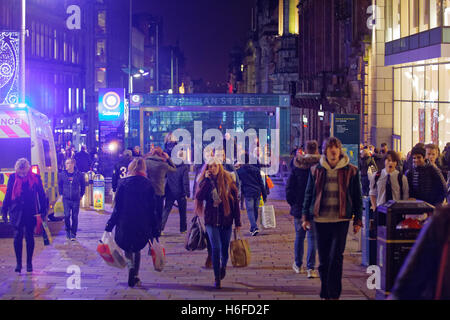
{"points": [[399, 178]]}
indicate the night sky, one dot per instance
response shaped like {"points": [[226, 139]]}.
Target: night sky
{"points": [[207, 30]]}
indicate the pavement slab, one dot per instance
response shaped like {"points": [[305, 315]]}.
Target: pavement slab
{"points": [[268, 277]]}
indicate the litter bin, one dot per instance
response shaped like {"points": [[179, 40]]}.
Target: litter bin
{"points": [[99, 192], [369, 235], [398, 225]]}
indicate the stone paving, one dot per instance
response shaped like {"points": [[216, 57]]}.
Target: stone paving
{"points": [[268, 277]]}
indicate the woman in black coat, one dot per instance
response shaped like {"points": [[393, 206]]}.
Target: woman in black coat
{"points": [[134, 216], [25, 197]]}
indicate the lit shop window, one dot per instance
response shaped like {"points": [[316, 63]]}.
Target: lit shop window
{"points": [[446, 11]]}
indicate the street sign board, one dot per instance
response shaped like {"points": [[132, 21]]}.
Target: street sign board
{"points": [[346, 127]]}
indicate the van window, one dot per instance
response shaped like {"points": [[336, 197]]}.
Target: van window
{"points": [[47, 156], [13, 149]]}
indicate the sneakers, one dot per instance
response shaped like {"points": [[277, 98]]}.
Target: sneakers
{"points": [[312, 274], [300, 270], [254, 232], [73, 239]]}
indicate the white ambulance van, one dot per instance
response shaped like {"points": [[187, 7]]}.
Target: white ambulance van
{"points": [[26, 133]]}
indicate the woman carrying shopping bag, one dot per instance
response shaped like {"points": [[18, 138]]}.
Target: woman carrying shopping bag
{"points": [[134, 216], [25, 197], [217, 188]]}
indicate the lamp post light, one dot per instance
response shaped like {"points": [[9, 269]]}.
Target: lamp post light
{"points": [[22, 52]]}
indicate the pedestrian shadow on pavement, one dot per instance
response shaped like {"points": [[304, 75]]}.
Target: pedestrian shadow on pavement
{"points": [[185, 287], [23, 288]]}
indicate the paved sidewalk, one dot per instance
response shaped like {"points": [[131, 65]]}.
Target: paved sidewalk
{"points": [[269, 275]]}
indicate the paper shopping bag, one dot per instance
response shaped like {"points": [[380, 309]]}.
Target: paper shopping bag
{"points": [[239, 251]]}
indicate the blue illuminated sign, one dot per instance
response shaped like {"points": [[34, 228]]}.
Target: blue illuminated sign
{"points": [[9, 67], [214, 100], [111, 104]]}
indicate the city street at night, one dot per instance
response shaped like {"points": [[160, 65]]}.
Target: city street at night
{"points": [[209, 151], [268, 277]]}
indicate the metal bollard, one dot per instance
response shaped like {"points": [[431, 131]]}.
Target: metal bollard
{"points": [[85, 200], [99, 192], [90, 189]]}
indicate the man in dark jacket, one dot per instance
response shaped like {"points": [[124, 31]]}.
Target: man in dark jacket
{"points": [[83, 160], [71, 186], [121, 168], [333, 196], [177, 189], [252, 187], [425, 180], [295, 193]]}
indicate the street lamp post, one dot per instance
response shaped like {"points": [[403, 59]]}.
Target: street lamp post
{"points": [[22, 53]]}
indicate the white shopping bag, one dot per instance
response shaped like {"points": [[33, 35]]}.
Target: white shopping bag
{"points": [[268, 217], [158, 254], [110, 251]]}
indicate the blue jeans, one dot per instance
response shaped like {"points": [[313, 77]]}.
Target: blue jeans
{"points": [[71, 208], [219, 237], [252, 205], [300, 235]]}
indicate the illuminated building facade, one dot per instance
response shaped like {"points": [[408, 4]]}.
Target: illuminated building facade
{"points": [[410, 73]]}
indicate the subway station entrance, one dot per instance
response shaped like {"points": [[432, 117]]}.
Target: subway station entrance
{"points": [[153, 116]]}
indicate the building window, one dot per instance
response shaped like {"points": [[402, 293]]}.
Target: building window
{"points": [[446, 12], [413, 16], [101, 22], [100, 49], [55, 45], [408, 17], [396, 19], [422, 105], [100, 78], [404, 18]]}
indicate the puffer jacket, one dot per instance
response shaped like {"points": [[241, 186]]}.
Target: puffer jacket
{"points": [[427, 183], [350, 196], [215, 216], [134, 214], [297, 181]]}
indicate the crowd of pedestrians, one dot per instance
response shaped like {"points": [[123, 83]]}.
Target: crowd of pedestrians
{"points": [[325, 193]]}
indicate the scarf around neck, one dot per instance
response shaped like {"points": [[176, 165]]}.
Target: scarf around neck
{"points": [[30, 178]]}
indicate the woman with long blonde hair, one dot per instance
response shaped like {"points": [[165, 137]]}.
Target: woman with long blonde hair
{"points": [[217, 188]]}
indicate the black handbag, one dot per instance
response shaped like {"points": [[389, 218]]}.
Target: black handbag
{"points": [[196, 237]]}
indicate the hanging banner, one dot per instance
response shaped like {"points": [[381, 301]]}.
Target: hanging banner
{"points": [[9, 67]]}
